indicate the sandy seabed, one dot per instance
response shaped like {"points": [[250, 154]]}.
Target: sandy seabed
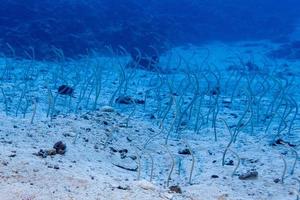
{"points": [[119, 152]]}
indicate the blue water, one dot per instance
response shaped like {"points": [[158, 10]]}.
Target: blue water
{"points": [[77, 26]]}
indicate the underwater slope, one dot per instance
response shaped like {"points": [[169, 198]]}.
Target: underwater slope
{"points": [[223, 126]]}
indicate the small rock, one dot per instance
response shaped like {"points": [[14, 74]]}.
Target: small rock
{"points": [[282, 142], [230, 162], [123, 187], [152, 116], [214, 176], [125, 100], [12, 155], [277, 180], [175, 189], [139, 101], [56, 167], [129, 100], [105, 123], [185, 152], [60, 147], [123, 151], [112, 149]]}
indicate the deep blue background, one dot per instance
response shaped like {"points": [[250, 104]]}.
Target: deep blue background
{"points": [[76, 26]]}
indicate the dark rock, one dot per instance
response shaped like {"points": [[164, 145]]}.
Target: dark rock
{"points": [[60, 147], [125, 100], [184, 152], [65, 90], [279, 141], [12, 155], [56, 167], [215, 91], [113, 149], [139, 101], [123, 187], [129, 100], [277, 180], [214, 176], [152, 116], [230, 162], [123, 151], [282, 142], [175, 189]]}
